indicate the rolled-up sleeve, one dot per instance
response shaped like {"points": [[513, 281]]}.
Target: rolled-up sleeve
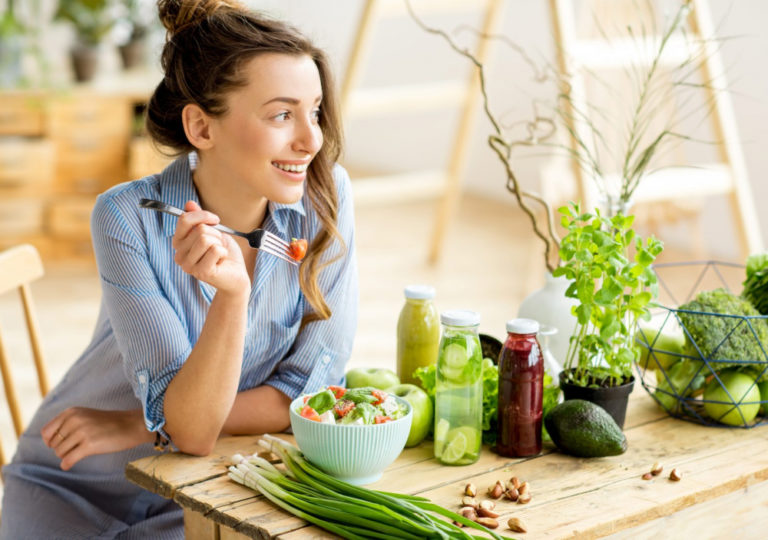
{"points": [[322, 349], [151, 337]]}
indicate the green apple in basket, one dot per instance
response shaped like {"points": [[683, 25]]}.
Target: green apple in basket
{"points": [[660, 340], [422, 407], [738, 408], [380, 378]]}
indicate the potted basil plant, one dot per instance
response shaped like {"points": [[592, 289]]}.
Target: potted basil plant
{"points": [[611, 278]]}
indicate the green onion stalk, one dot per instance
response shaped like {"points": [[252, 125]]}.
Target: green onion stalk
{"points": [[349, 511]]}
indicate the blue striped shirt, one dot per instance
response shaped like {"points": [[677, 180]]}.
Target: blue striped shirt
{"points": [[151, 315]]}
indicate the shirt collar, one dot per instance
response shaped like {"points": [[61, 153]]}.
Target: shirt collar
{"points": [[177, 188]]}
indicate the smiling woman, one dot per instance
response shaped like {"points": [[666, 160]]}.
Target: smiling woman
{"points": [[199, 334]]}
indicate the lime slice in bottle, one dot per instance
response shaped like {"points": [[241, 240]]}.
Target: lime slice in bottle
{"points": [[471, 434], [441, 430], [455, 449]]}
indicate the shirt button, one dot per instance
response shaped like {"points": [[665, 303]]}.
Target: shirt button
{"points": [[143, 379], [326, 359]]}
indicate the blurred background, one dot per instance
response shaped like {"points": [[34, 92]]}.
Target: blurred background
{"points": [[431, 201]]}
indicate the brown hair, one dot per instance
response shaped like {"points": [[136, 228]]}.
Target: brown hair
{"points": [[207, 43]]}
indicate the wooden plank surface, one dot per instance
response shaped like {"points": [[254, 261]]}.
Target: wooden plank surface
{"points": [[571, 496]]}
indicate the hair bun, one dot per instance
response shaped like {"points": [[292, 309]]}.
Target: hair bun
{"points": [[177, 15]]}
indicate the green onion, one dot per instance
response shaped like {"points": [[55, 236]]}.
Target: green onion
{"points": [[344, 509]]}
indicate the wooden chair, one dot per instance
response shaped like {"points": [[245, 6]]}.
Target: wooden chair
{"points": [[19, 266]]}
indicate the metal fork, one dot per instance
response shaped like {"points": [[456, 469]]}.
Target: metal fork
{"points": [[257, 238]]}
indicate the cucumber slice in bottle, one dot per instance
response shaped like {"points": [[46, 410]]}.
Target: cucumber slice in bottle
{"points": [[455, 356]]}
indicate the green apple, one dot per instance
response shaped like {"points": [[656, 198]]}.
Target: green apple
{"points": [[380, 378], [763, 386], [421, 404], [659, 340], [742, 389]]}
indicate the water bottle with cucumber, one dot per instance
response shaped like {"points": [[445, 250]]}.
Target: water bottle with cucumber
{"points": [[459, 390]]}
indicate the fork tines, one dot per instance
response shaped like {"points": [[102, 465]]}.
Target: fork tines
{"points": [[277, 252], [276, 240], [275, 245]]}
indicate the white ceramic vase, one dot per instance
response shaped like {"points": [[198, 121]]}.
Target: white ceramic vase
{"points": [[550, 307]]}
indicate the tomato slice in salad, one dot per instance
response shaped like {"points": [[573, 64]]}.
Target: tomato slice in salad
{"points": [[343, 407], [380, 419], [310, 414], [380, 396], [338, 391]]}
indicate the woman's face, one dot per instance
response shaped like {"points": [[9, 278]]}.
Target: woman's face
{"points": [[270, 132]]}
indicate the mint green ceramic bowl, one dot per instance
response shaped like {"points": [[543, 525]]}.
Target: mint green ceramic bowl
{"points": [[355, 454]]}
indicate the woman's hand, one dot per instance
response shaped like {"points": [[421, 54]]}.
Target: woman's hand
{"points": [[77, 433], [207, 254]]}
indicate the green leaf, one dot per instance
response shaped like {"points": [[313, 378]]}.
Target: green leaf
{"points": [[609, 291], [583, 312], [322, 401]]}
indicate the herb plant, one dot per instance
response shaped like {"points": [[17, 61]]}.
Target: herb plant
{"points": [[611, 276]]}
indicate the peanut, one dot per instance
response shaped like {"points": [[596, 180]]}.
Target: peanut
{"points": [[656, 469], [516, 525], [496, 491], [487, 522], [470, 490], [675, 475]]}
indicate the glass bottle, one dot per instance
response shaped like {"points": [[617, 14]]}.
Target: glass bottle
{"points": [[459, 390], [521, 388], [418, 332]]}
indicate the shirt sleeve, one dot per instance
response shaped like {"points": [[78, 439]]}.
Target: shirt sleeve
{"points": [[322, 349], [150, 335]]}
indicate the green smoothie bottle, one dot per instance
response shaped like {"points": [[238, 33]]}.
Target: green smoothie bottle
{"points": [[459, 390], [418, 332]]}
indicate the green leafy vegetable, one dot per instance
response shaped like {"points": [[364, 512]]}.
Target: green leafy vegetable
{"points": [[726, 341], [551, 397], [490, 400], [361, 395], [756, 284], [322, 401]]}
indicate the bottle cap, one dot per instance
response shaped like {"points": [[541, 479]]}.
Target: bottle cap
{"points": [[420, 292], [460, 317], [522, 326]]}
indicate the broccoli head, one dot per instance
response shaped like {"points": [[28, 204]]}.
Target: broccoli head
{"points": [[726, 341]]}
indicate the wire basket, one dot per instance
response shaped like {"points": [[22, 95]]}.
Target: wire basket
{"points": [[690, 377]]}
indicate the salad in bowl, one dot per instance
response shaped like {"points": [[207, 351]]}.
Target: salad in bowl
{"points": [[357, 406], [352, 434]]}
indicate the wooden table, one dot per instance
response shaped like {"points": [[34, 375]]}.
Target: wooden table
{"points": [[723, 492]]}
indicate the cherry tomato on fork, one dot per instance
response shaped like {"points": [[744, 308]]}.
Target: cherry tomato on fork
{"points": [[298, 248]]}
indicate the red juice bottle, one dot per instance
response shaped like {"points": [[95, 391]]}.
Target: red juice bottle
{"points": [[521, 388]]}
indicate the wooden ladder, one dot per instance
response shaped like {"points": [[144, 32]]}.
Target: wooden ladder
{"points": [[444, 184], [675, 186]]}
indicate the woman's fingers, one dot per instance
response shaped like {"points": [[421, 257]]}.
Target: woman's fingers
{"points": [[51, 432], [190, 219], [67, 442]]}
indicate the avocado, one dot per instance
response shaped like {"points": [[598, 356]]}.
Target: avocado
{"points": [[583, 429]]}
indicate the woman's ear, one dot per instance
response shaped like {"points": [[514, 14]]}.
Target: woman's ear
{"points": [[197, 126]]}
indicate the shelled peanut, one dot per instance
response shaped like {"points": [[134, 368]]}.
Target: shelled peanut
{"points": [[484, 512]]}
